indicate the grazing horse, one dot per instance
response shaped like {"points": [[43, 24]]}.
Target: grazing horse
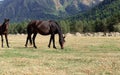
{"points": [[4, 31], [44, 28]]}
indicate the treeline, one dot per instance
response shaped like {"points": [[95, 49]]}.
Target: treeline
{"points": [[110, 24], [15, 28]]}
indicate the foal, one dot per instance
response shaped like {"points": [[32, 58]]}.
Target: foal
{"points": [[4, 31]]}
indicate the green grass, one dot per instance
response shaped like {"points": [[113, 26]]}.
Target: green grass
{"points": [[81, 56]]}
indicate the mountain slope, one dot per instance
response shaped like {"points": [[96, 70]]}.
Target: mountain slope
{"points": [[103, 18], [105, 9], [24, 9], [18, 10]]}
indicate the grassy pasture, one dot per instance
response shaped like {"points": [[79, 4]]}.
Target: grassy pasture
{"points": [[81, 56]]}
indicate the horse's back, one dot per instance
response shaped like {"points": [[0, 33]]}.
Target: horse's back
{"points": [[38, 26], [43, 27]]}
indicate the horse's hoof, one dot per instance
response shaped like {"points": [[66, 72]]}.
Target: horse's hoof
{"points": [[49, 46], [62, 48], [25, 45], [8, 46], [35, 47], [54, 47]]}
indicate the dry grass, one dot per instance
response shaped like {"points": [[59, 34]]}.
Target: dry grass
{"points": [[81, 56]]}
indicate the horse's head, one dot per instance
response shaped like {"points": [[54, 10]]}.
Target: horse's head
{"points": [[6, 21], [62, 41]]}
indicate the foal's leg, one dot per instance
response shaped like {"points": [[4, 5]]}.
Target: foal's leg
{"points": [[34, 36], [2, 40], [6, 40]]}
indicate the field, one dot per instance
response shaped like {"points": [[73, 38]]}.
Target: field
{"points": [[81, 56]]}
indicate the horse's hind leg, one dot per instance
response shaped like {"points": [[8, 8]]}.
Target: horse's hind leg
{"points": [[28, 38], [6, 40], [34, 36], [26, 42], [2, 40]]}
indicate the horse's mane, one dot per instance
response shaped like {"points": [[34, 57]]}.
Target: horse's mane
{"points": [[58, 26]]}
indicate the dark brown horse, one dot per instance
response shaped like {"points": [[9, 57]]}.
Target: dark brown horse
{"points": [[4, 31], [44, 28]]}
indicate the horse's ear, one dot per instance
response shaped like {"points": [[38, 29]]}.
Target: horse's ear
{"points": [[64, 36], [8, 19]]}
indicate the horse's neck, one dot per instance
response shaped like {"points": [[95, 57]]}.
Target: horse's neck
{"points": [[4, 26], [60, 34], [59, 31]]}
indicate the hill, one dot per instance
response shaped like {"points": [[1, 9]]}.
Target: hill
{"points": [[19, 10], [105, 9]]}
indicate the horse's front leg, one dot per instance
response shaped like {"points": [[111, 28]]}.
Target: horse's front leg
{"points": [[52, 38], [6, 40], [54, 41], [2, 40], [50, 41], [34, 36]]}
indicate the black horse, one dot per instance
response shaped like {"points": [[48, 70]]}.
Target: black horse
{"points": [[44, 28], [4, 31]]}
